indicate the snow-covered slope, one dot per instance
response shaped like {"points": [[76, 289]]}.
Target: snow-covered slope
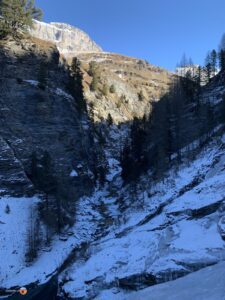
{"points": [[173, 233], [15, 221], [172, 230], [14, 234], [208, 283]]}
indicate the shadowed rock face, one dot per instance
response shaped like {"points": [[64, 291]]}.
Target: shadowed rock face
{"points": [[36, 119], [68, 39]]}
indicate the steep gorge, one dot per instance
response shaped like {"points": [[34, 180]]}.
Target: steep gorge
{"points": [[121, 233]]}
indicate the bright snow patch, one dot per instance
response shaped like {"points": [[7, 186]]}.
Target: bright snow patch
{"points": [[60, 92], [32, 82], [114, 169], [73, 173]]}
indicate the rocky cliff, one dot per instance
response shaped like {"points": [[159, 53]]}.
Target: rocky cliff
{"points": [[68, 39], [36, 118]]}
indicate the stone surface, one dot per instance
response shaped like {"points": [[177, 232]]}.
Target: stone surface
{"points": [[130, 76], [68, 39], [35, 119]]}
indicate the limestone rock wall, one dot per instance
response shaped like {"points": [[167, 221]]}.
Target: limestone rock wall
{"points": [[68, 39]]}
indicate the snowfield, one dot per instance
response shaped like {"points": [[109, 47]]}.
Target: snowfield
{"points": [[14, 233], [14, 227]]}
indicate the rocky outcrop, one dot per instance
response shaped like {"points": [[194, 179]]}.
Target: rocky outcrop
{"points": [[68, 39], [131, 78], [13, 179]]}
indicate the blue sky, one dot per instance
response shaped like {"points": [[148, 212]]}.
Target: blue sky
{"points": [[159, 31]]}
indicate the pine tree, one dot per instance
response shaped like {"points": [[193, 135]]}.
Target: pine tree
{"points": [[109, 119], [47, 179], [141, 96], [198, 77], [208, 67], [223, 109], [222, 59], [94, 83], [93, 69], [214, 61], [126, 163], [42, 173], [100, 166], [7, 209], [210, 118], [34, 167], [184, 61], [16, 16], [133, 158], [112, 89], [190, 62], [105, 90], [222, 43], [94, 73], [75, 85]]}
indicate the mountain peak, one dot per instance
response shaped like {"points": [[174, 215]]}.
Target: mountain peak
{"points": [[68, 39]]}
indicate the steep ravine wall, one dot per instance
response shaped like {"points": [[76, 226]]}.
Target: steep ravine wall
{"points": [[35, 119]]}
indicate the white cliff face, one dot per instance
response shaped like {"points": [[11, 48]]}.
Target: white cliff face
{"points": [[68, 39]]}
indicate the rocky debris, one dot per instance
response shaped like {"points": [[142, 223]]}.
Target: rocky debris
{"points": [[137, 281], [199, 212]]}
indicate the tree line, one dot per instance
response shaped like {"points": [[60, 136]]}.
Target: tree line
{"points": [[16, 16], [202, 74], [165, 138]]}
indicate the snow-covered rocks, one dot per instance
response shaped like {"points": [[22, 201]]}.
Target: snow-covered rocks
{"points": [[174, 235], [114, 169], [207, 283]]}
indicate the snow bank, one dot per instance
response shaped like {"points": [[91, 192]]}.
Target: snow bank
{"points": [[206, 284], [13, 234]]}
